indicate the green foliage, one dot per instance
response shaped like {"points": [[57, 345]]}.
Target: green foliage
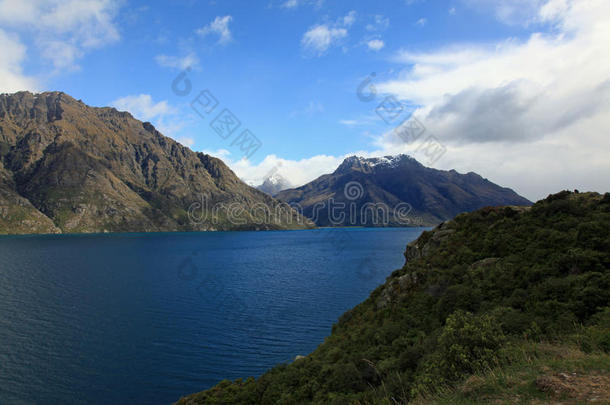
{"points": [[468, 344], [492, 282]]}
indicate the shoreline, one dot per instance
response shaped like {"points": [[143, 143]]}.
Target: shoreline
{"points": [[154, 233]]}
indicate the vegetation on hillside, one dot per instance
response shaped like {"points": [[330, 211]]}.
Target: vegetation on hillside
{"points": [[505, 304]]}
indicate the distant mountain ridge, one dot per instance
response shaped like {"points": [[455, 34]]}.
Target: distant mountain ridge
{"points": [[431, 195], [69, 167]]}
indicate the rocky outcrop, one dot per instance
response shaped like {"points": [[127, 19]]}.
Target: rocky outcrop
{"points": [[429, 241]]}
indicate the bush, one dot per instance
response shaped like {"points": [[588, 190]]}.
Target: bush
{"points": [[468, 344]]}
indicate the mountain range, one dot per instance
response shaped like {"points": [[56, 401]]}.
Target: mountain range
{"points": [[394, 191], [68, 167]]}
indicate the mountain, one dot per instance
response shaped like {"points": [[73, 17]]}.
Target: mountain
{"points": [[394, 191], [499, 306], [274, 183], [68, 167]]}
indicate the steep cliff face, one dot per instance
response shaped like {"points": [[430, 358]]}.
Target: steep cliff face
{"points": [[425, 196], [89, 169]]}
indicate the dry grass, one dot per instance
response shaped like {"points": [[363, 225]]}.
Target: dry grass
{"points": [[539, 373]]}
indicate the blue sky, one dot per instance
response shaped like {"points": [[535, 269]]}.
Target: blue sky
{"points": [[289, 71], [292, 97]]}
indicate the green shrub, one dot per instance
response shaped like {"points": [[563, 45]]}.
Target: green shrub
{"points": [[468, 344]]}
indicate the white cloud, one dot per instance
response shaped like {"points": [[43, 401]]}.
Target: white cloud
{"points": [[186, 141], [380, 23], [511, 12], [314, 107], [12, 78], [292, 4], [349, 19], [421, 22], [364, 120], [222, 154], [143, 107], [531, 114], [18, 12], [62, 54], [319, 38], [63, 30], [191, 60], [91, 21], [297, 172], [375, 44], [220, 27], [166, 118]]}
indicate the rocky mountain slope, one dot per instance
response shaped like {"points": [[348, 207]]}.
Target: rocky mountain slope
{"points": [[502, 305], [68, 167], [412, 194]]}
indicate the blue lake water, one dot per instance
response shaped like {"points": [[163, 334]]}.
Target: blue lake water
{"points": [[148, 318]]}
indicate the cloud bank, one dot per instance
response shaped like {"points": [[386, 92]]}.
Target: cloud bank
{"points": [[62, 32], [534, 113]]}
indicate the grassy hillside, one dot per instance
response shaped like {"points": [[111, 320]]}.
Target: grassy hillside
{"points": [[502, 305]]}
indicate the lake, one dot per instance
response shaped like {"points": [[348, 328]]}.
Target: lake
{"points": [[148, 318]]}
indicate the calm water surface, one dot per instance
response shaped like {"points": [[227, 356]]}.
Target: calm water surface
{"points": [[148, 318]]}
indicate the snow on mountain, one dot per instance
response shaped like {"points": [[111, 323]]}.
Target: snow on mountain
{"points": [[274, 183]]}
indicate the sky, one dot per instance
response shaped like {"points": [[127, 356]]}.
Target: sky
{"points": [[515, 90]]}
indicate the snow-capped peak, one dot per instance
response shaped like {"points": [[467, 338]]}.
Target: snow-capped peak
{"points": [[359, 162], [275, 178]]}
